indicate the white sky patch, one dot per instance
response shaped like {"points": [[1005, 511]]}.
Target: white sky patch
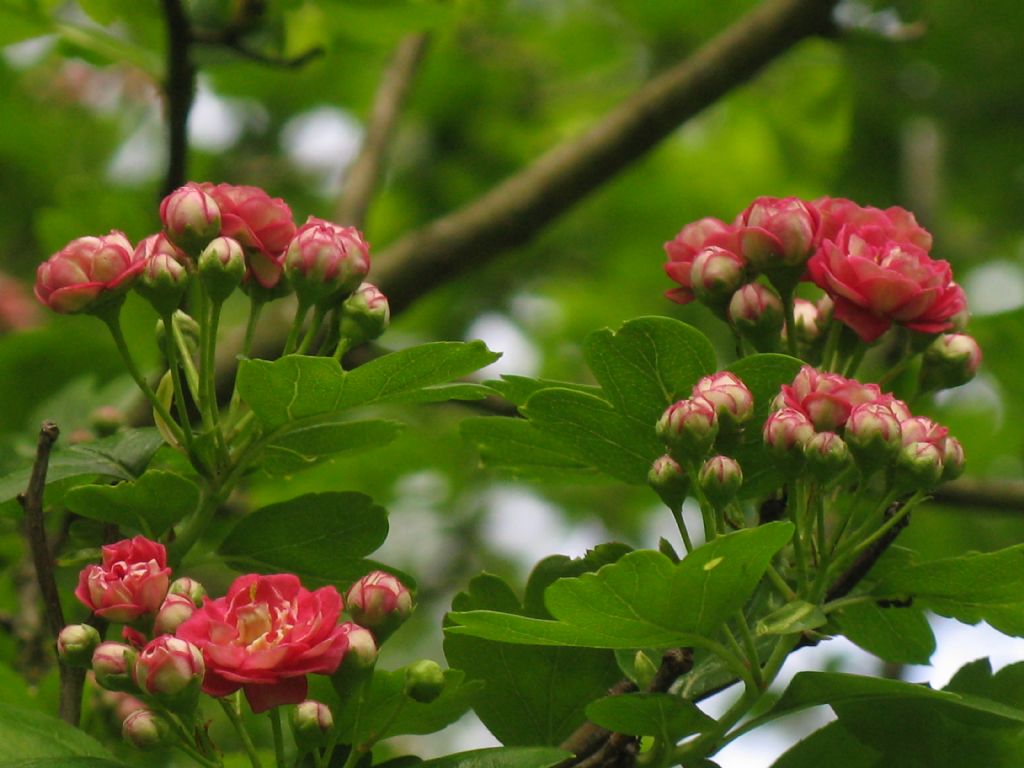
{"points": [[323, 142], [215, 124], [141, 156], [499, 333], [997, 286], [26, 53]]}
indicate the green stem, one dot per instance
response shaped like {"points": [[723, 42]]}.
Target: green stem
{"points": [[293, 335], [255, 309], [113, 321], [185, 358], [798, 509], [677, 514], [210, 379], [895, 371], [198, 756], [780, 583], [707, 509], [843, 602], [855, 360], [889, 524], [170, 347], [314, 328], [342, 348], [751, 648], [828, 355], [788, 303], [190, 532], [275, 726], [361, 749], [231, 710]]}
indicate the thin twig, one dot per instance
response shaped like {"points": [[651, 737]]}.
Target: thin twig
{"points": [[387, 105], [519, 207], [180, 87]]}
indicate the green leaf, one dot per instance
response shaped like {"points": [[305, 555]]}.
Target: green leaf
{"points": [[648, 364], [31, 735], [386, 697], [797, 616], [649, 714], [532, 695], [306, 445], [899, 635], [518, 389], [123, 456], [518, 447], [832, 746], [594, 433], [62, 762], [501, 757], [555, 567], [971, 588], [150, 505], [643, 600], [320, 537]]}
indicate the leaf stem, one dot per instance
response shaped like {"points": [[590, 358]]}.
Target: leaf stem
{"points": [[170, 349], [275, 726], [293, 335], [314, 328], [230, 707], [677, 514]]}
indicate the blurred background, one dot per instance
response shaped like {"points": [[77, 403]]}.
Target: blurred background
{"points": [[919, 104]]}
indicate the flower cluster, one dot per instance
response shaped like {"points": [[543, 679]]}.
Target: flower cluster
{"points": [[263, 637], [872, 264]]}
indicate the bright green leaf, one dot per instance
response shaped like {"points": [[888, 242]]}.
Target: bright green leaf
{"points": [[150, 505], [304, 446], [899, 635], [516, 446], [27, 734], [518, 389], [649, 714]]}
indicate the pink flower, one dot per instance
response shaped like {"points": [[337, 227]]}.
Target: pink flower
{"points": [[324, 260], [131, 582], [191, 217], [683, 250], [778, 231], [156, 245], [876, 281], [826, 398], [921, 429], [728, 394], [894, 223], [265, 636], [263, 225], [167, 666], [86, 273]]}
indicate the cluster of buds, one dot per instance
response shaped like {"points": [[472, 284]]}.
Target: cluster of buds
{"points": [[265, 636], [830, 423]]}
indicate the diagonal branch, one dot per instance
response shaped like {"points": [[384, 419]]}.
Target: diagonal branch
{"points": [[365, 172], [519, 207]]}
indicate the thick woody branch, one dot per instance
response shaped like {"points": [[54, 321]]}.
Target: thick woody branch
{"points": [[180, 90], [518, 208], [1001, 495], [387, 105]]}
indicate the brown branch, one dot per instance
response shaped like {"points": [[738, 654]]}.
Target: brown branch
{"points": [[365, 171], [1000, 495], [180, 89], [519, 207]]}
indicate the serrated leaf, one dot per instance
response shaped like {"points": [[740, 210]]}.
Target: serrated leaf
{"points": [[28, 734], [150, 505], [320, 537], [555, 567], [518, 389], [516, 446], [502, 757], [643, 600], [797, 616], [594, 433], [306, 445], [648, 364], [649, 714], [971, 588], [898, 635]]}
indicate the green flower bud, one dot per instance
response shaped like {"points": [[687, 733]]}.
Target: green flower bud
{"points": [[827, 456], [949, 361], [668, 480], [424, 681], [365, 315], [221, 268], [76, 644], [311, 724], [145, 729]]}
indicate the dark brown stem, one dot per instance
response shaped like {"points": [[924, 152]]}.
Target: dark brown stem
{"points": [[867, 559], [518, 208], [998, 495], [179, 87], [231, 40], [387, 105]]}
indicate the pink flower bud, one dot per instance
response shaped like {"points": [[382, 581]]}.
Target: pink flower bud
{"points": [[918, 466], [324, 260], [87, 274], [191, 217], [190, 588], [131, 582], [311, 724], [146, 729], [122, 704], [365, 315], [921, 429], [786, 432], [175, 610], [158, 245], [221, 267], [668, 480], [361, 653], [952, 459], [778, 232], [689, 427], [826, 398], [873, 435], [112, 664], [107, 419], [163, 282], [720, 478], [424, 681], [76, 644], [380, 602], [171, 669], [716, 274], [808, 321], [683, 250], [827, 456], [951, 360], [729, 396], [756, 311]]}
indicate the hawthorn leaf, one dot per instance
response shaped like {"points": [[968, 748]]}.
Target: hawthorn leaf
{"points": [[518, 447], [898, 635], [518, 389], [502, 757], [304, 445], [649, 714], [151, 505], [27, 734]]}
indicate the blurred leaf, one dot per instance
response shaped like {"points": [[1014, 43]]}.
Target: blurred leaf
{"points": [[833, 746], [518, 447], [150, 505], [518, 389], [898, 635], [555, 567], [294, 449], [31, 735], [502, 757], [649, 714]]}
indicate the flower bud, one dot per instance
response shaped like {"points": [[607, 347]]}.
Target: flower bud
{"points": [[918, 466], [807, 320], [756, 312], [873, 435], [827, 456], [191, 218], [112, 664], [668, 480], [311, 724], [171, 669], [688, 427], [949, 361], [778, 232], [163, 282], [424, 681], [189, 588], [90, 274], [365, 315], [716, 274], [952, 459], [720, 478], [146, 729], [732, 401], [221, 268], [174, 611], [786, 432], [106, 420], [76, 644], [379, 601], [324, 260], [121, 704]]}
